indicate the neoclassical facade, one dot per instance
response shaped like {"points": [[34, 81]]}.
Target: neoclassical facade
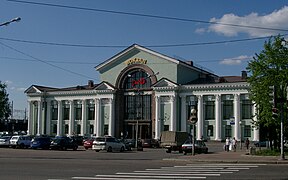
{"points": [[141, 94]]}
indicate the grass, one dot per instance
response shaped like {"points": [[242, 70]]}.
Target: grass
{"points": [[269, 152]]}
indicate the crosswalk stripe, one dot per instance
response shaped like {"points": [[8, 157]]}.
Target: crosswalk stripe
{"points": [[155, 176], [220, 172], [170, 174], [189, 171]]}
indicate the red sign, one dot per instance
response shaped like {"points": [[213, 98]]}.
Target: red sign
{"points": [[139, 81]]}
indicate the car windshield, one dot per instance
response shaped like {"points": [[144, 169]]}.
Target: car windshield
{"points": [[100, 139]]}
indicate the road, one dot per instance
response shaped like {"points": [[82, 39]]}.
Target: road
{"points": [[28, 164]]}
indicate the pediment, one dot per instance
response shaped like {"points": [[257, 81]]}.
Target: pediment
{"points": [[165, 83], [32, 89], [104, 86]]}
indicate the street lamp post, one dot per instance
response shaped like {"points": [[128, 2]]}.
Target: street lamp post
{"points": [[240, 123], [17, 19]]}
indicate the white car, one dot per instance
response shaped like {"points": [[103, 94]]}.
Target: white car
{"points": [[5, 140], [20, 141], [107, 143]]}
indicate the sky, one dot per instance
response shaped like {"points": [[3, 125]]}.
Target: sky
{"points": [[59, 43]]}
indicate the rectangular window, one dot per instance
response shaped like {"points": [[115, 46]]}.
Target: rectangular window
{"points": [[66, 112], [210, 130], [228, 131], [138, 107], [54, 128], [166, 127], [246, 111], [106, 129], [247, 131], [66, 129], [209, 110], [78, 112], [78, 129], [91, 112], [228, 109], [54, 112], [91, 129]]}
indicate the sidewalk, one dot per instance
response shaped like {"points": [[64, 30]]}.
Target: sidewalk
{"points": [[241, 156]]}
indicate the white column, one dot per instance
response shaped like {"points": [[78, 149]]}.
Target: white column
{"points": [[39, 118], [48, 117], [157, 116], [237, 129], [255, 129], [71, 118], [200, 121], [218, 117], [184, 117], [98, 124], [84, 118], [173, 119], [111, 130], [30, 117], [60, 119]]}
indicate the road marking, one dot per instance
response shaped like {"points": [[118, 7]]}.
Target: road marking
{"points": [[190, 171]]}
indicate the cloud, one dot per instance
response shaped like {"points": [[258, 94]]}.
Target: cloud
{"points": [[276, 20], [235, 60], [8, 82], [200, 30], [21, 89]]}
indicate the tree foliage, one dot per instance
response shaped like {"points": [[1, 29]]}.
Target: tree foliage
{"points": [[269, 69], [5, 110]]}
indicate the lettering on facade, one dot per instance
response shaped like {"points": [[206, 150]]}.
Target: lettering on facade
{"points": [[135, 61]]}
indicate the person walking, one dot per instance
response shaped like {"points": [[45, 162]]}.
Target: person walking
{"points": [[247, 143], [227, 144], [234, 144]]}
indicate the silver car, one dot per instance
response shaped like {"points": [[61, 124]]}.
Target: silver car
{"points": [[5, 140], [107, 143]]}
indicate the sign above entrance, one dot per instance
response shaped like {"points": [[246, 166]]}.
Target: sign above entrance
{"points": [[135, 61]]}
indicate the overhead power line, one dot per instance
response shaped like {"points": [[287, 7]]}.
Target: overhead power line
{"points": [[45, 62], [124, 46], [147, 15]]}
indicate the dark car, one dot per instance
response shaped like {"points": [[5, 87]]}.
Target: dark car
{"points": [[63, 143], [40, 143], [150, 143], [78, 139], [200, 147]]}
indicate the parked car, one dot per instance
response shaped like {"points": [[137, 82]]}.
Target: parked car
{"points": [[200, 147], [40, 143], [63, 143], [88, 143], [150, 143], [78, 139], [5, 141], [108, 143], [20, 141], [131, 143]]}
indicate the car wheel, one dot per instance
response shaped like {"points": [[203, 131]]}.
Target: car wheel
{"points": [[74, 148], [109, 149], [185, 152], [97, 150], [21, 146], [122, 149]]}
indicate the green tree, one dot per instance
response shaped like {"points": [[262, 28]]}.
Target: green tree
{"points": [[269, 69], [5, 110]]}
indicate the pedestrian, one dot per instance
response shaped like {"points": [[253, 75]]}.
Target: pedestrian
{"points": [[247, 143], [227, 144], [234, 144]]}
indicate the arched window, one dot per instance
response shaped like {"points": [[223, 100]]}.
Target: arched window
{"points": [[137, 79]]}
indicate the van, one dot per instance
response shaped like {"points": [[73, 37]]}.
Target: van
{"points": [[20, 141]]}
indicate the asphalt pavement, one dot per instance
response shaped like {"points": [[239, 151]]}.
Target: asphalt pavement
{"points": [[241, 155]]}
